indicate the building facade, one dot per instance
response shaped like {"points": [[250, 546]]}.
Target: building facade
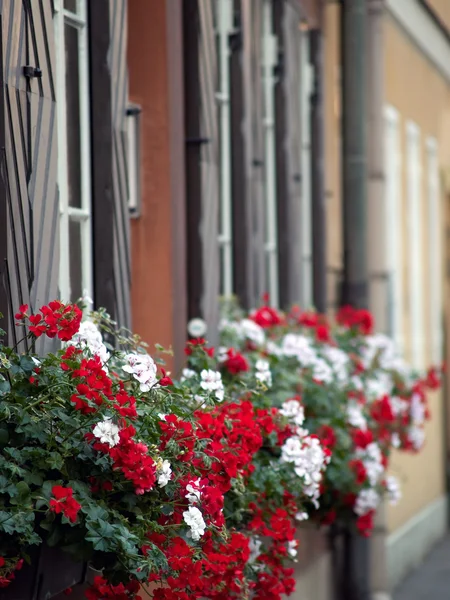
{"points": [[159, 154]]}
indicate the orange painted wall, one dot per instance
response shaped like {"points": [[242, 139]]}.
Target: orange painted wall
{"points": [[156, 304]]}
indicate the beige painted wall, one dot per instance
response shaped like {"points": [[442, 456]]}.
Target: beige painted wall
{"points": [[442, 9], [420, 94]]}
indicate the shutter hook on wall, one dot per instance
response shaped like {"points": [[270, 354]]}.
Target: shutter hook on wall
{"points": [[32, 72]]}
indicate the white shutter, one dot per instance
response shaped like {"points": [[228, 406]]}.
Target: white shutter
{"points": [[415, 244], [434, 250], [394, 224]]}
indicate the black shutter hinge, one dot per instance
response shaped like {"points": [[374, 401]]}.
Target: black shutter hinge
{"points": [[133, 110], [32, 72], [198, 141]]}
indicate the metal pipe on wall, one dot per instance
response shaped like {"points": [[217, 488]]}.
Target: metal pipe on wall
{"points": [[355, 583], [354, 152]]}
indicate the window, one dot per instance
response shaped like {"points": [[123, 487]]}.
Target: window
{"points": [[269, 63], [415, 245], [434, 250], [224, 20], [393, 221], [74, 181]]}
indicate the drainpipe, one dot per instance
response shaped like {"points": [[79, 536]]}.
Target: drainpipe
{"points": [[354, 195], [318, 206], [355, 582], [380, 283]]}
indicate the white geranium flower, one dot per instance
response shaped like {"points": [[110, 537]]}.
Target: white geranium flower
{"points": [[393, 489], [252, 331], [193, 491], [395, 439], [416, 436], [187, 374], [372, 459], [164, 473], [417, 410], [294, 411], [302, 516], [194, 520], [263, 373], [89, 336], [292, 548], [211, 381], [309, 460], [366, 501], [143, 368], [107, 432], [255, 548], [355, 416]]}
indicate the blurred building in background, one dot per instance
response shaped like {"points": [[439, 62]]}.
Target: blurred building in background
{"points": [[159, 154]]}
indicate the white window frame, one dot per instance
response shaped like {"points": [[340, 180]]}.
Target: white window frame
{"points": [[394, 223], [225, 239], [416, 281], [269, 62], [434, 249], [84, 214]]}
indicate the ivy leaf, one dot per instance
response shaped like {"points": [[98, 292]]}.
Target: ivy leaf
{"points": [[23, 490], [5, 387], [100, 535], [33, 478], [27, 364]]}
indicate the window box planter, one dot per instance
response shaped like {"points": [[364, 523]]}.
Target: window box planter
{"points": [[51, 572]]}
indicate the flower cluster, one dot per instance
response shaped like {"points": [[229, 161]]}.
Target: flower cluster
{"points": [[357, 394], [195, 486]]}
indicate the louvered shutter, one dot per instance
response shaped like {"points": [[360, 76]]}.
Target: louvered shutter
{"points": [[202, 162], [289, 177], [209, 160], [29, 197], [119, 97], [252, 34]]}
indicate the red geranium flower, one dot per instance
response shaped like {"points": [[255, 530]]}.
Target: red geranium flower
{"points": [[64, 502]]}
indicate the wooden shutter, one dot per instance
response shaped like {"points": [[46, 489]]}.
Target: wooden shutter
{"points": [[242, 223], [119, 100], [288, 138], [202, 161], [209, 158], [109, 94], [29, 217], [252, 38]]}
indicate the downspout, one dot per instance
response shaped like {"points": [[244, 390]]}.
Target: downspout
{"points": [[355, 573], [354, 188], [318, 206], [380, 282]]}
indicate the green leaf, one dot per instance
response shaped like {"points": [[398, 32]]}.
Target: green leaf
{"points": [[23, 490], [33, 478], [100, 535], [27, 364], [5, 387], [167, 509]]}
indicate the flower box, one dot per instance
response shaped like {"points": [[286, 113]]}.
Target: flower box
{"points": [[51, 572]]}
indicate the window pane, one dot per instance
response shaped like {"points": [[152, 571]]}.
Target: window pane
{"points": [[73, 115], [71, 5], [75, 260]]}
